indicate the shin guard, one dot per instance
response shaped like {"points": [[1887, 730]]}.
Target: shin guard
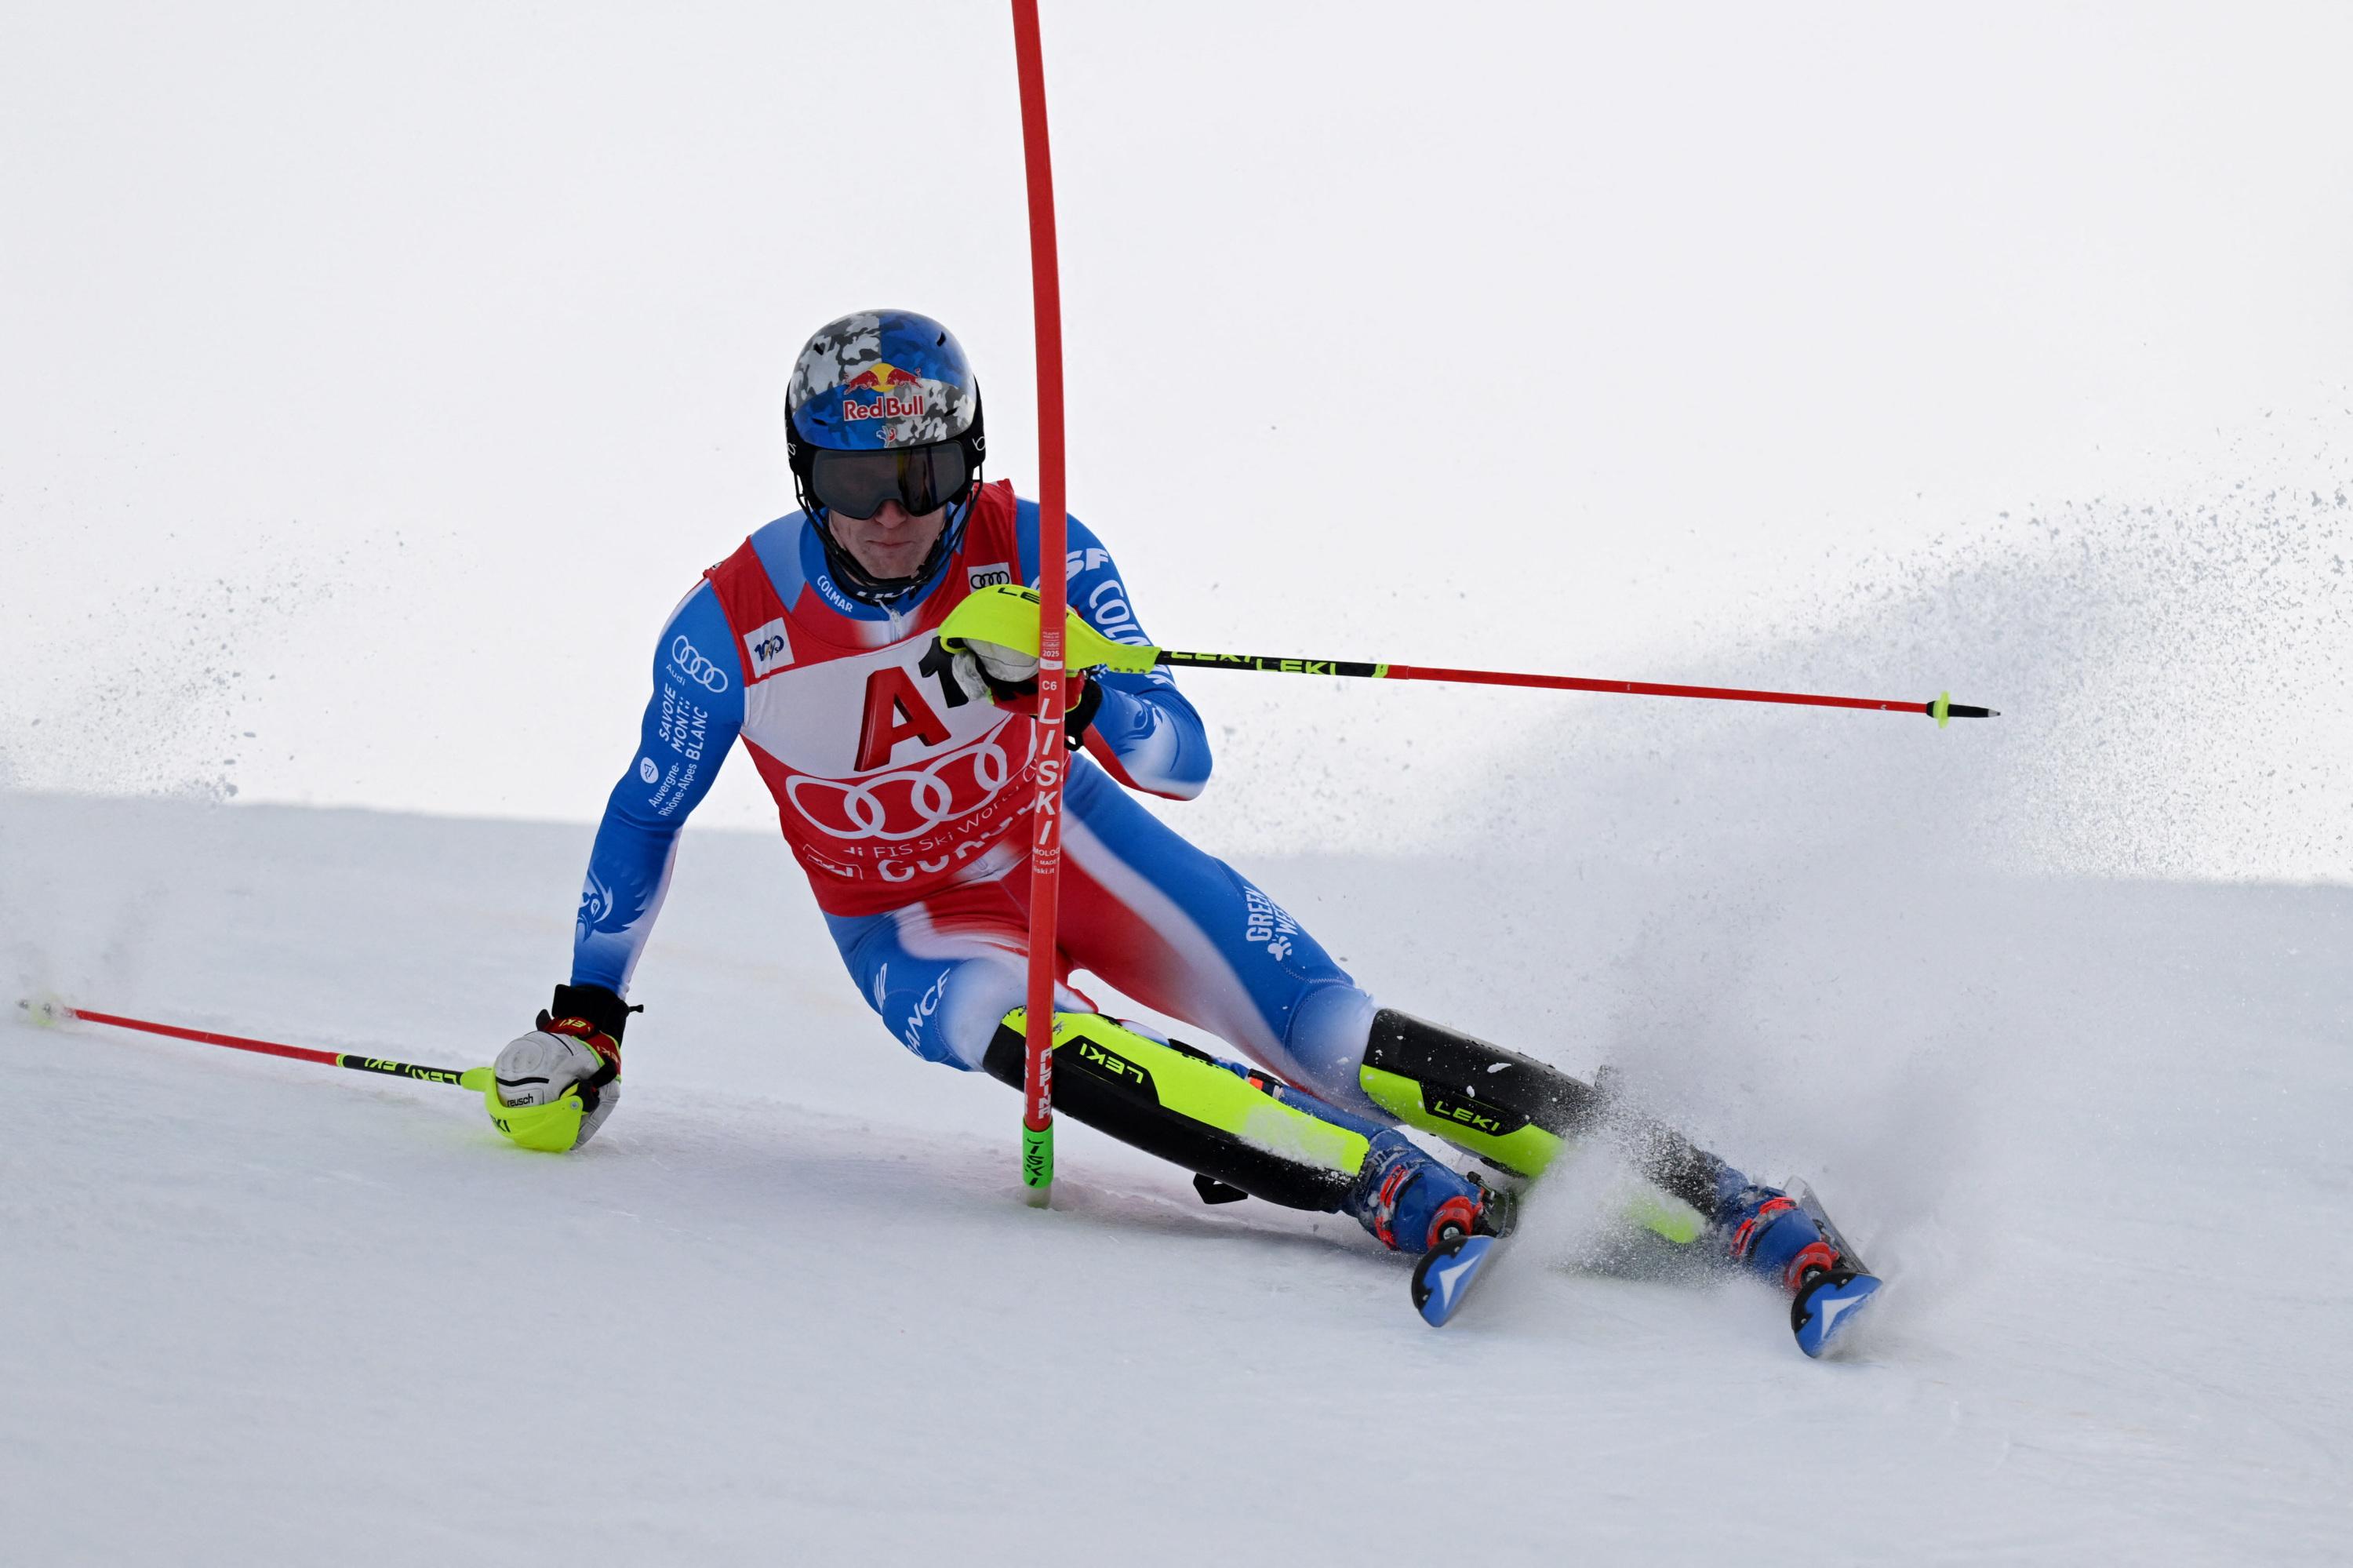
{"points": [[1511, 1110], [1168, 1099], [1515, 1112]]}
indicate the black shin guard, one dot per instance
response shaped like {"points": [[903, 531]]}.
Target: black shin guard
{"points": [[1182, 1105], [1514, 1111]]}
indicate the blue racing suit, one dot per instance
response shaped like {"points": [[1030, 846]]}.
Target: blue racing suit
{"points": [[878, 770]]}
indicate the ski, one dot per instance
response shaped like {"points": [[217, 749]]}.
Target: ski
{"points": [[1828, 1305], [1442, 1279], [1821, 1315]]}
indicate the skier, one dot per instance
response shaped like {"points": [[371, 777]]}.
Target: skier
{"points": [[904, 765]]}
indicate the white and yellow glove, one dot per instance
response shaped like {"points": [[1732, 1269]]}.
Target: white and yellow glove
{"points": [[554, 1087]]}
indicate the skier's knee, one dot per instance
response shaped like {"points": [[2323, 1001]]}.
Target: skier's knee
{"points": [[953, 1020], [1325, 1039]]}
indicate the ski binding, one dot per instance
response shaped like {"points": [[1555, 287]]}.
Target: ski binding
{"points": [[1827, 1305]]}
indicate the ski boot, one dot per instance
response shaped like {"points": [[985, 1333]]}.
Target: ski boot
{"points": [[1411, 1202], [1791, 1241]]}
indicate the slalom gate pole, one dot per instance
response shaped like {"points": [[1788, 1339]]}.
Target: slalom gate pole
{"points": [[1045, 835], [1941, 708], [476, 1079]]}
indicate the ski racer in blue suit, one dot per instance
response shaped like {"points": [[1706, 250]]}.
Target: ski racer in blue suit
{"points": [[904, 763]]}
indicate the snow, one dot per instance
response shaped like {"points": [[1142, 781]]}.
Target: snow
{"points": [[789, 1305], [374, 382]]}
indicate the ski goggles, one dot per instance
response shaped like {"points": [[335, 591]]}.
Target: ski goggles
{"points": [[920, 478]]}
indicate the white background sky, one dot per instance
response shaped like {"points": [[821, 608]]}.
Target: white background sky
{"points": [[374, 381]]}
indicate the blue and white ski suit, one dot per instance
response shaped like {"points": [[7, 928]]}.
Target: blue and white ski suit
{"points": [[905, 803]]}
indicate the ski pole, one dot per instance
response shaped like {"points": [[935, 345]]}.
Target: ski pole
{"points": [[1941, 708], [1008, 614], [476, 1079]]}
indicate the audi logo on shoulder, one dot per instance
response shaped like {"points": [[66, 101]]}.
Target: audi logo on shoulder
{"points": [[690, 659]]}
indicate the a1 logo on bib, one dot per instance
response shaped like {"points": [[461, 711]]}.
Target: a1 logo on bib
{"points": [[768, 649], [895, 713]]}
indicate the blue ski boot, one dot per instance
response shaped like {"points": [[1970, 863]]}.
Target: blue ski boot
{"points": [[1411, 1202], [1767, 1232], [1791, 1241]]}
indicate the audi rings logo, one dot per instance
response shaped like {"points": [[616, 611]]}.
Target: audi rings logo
{"points": [[689, 658], [906, 803]]}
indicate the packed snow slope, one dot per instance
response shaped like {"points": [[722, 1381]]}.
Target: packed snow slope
{"points": [[789, 1306]]}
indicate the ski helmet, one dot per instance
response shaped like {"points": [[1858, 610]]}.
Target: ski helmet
{"points": [[894, 385]]}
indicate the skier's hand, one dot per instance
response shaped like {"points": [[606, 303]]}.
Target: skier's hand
{"points": [[554, 1087], [1007, 671], [992, 672]]}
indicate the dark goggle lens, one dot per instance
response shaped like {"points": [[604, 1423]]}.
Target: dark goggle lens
{"points": [[920, 478]]}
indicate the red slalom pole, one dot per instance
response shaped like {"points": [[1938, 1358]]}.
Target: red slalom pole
{"points": [[1046, 837], [57, 1012]]}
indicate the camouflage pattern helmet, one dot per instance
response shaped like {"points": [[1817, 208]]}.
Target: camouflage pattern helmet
{"points": [[884, 381], [879, 380]]}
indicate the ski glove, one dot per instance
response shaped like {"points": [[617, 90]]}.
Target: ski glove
{"points": [[992, 672], [554, 1087]]}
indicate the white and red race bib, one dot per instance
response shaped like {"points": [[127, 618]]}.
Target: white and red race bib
{"points": [[889, 782]]}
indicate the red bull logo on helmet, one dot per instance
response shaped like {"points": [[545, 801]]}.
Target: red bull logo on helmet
{"points": [[894, 394]]}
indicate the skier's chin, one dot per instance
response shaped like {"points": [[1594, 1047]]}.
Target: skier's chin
{"points": [[892, 544], [889, 565]]}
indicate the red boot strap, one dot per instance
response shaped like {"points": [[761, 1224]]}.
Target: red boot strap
{"points": [[1385, 1203], [1745, 1236], [1460, 1213], [1821, 1257]]}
